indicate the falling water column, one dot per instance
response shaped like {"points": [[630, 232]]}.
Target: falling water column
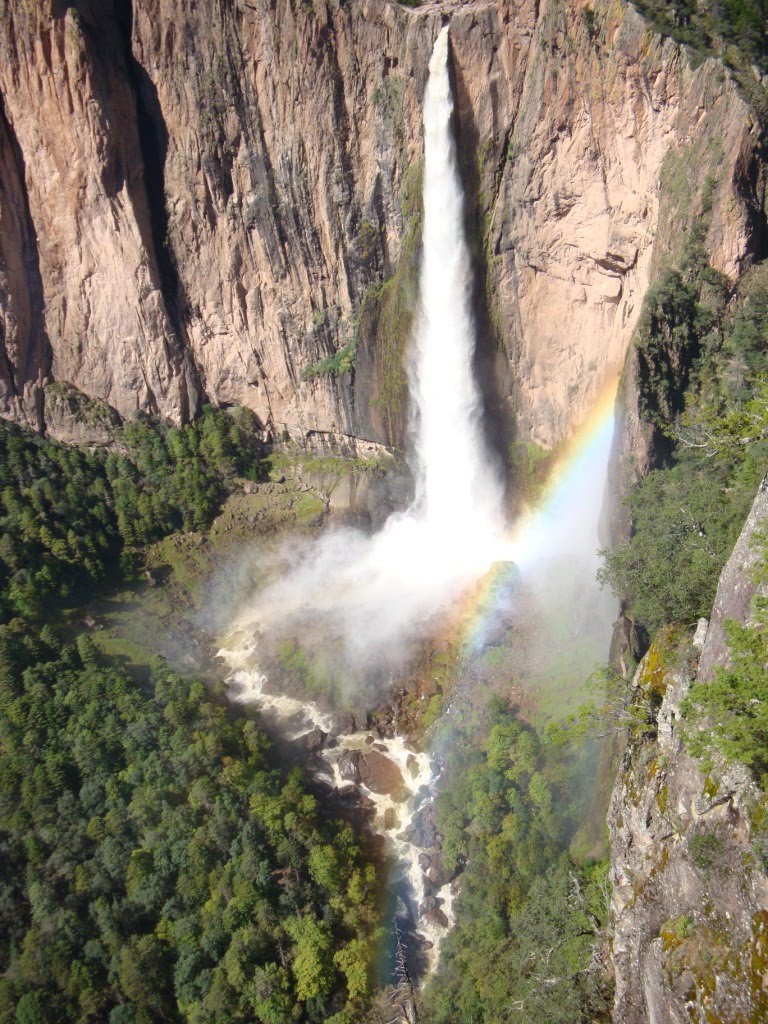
{"points": [[458, 490]]}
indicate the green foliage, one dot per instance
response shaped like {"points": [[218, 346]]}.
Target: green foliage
{"points": [[707, 849], [704, 385], [58, 532], [340, 362], [154, 866], [176, 478], [733, 707], [614, 707], [529, 466], [675, 320], [700, 25], [368, 241], [524, 908], [300, 665], [685, 522], [387, 310], [70, 519]]}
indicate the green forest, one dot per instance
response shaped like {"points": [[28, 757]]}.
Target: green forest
{"points": [[527, 910], [155, 864], [161, 862]]}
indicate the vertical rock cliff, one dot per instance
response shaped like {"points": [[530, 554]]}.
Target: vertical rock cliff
{"points": [[690, 891], [221, 202]]}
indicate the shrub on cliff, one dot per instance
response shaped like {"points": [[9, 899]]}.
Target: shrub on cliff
{"points": [[713, 407], [734, 705]]}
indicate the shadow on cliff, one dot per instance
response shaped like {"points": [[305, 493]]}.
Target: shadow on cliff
{"points": [[37, 355], [153, 139], [498, 421]]}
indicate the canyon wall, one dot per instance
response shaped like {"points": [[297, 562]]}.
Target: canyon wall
{"points": [[689, 910], [205, 202]]}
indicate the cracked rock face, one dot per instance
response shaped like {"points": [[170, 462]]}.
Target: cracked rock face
{"points": [[689, 910], [195, 199]]}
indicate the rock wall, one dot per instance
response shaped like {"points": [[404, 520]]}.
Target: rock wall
{"points": [[196, 201], [689, 911]]}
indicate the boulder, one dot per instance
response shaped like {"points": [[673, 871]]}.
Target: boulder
{"points": [[391, 820], [310, 742], [379, 773], [436, 917], [349, 766]]}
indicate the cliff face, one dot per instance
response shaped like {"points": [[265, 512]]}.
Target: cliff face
{"points": [[200, 201], [690, 893]]}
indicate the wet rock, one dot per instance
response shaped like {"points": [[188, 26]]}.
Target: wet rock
{"points": [[422, 794], [345, 721], [379, 773], [369, 741], [349, 791], [425, 861], [380, 747], [423, 831], [315, 764], [378, 845], [412, 765], [311, 742], [438, 874], [349, 766], [436, 917], [391, 819], [355, 802], [430, 903]]}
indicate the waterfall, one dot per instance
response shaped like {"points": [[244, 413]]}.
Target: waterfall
{"points": [[456, 485], [358, 603], [370, 596]]}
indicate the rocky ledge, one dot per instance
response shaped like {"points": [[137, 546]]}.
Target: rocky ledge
{"points": [[689, 910]]}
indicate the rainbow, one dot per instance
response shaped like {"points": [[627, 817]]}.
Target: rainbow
{"points": [[582, 464], [565, 516]]}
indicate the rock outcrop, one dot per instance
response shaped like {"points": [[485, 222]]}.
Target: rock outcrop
{"points": [[689, 910], [201, 202]]}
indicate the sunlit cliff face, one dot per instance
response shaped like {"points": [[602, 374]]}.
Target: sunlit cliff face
{"points": [[364, 599], [374, 594]]}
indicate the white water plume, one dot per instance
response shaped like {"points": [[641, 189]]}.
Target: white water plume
{"points": [[372, 594], [460, 493]]}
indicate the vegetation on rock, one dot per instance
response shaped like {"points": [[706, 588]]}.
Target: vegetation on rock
{"points": [[70, 519], [708, 26], [704, 385], [732, 707]]}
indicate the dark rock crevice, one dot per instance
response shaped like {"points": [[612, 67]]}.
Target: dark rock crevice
{"points": [[22, 373], [489, 368], [149, 190]]}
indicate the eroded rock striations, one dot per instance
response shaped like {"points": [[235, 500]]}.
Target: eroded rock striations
{"points": [[689, 909], [204, 202]]}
